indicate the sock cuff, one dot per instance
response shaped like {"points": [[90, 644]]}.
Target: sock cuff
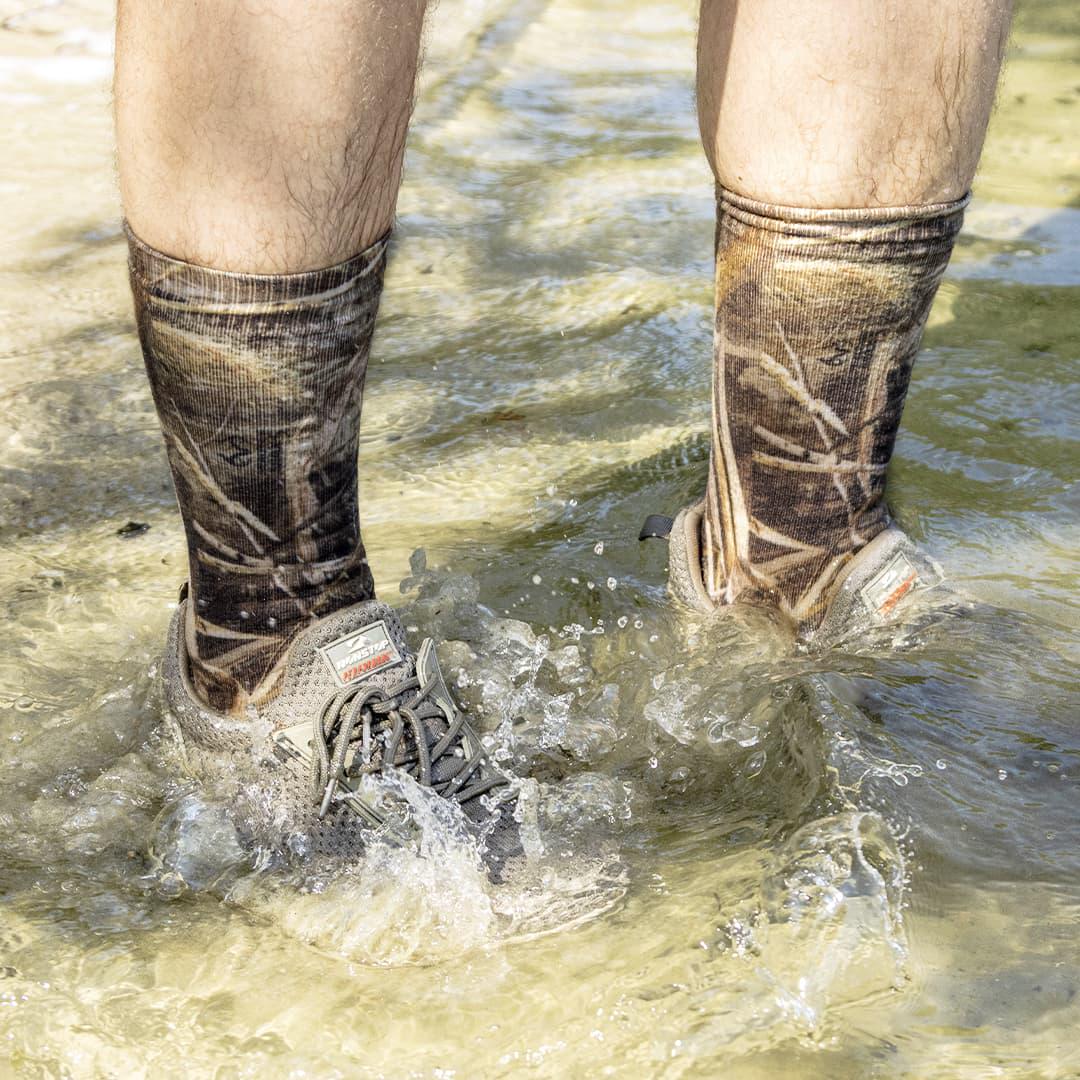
{"points": [[170, 282], [933, 221]]}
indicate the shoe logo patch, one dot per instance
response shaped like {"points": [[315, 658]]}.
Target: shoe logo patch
{"points": [[889, 585], [361, 653]]}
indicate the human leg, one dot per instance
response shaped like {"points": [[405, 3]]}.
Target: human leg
{"points": [[264, 158], [260, 151], [843, 139], [263, 138]]}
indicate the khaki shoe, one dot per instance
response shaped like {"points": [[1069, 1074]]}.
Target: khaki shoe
{"points": [[354, 703], [876, 588]]}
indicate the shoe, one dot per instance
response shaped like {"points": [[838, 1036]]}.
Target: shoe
{"points": [[876, 588], [354, 701]]}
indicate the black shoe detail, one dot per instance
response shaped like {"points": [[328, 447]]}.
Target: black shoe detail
{"points": [[656, 527]]}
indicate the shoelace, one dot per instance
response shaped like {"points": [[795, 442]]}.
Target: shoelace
{"points": [[381, 720]]}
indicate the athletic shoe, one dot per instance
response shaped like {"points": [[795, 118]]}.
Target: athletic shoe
{"points": [[355, 702], [876, 588]]}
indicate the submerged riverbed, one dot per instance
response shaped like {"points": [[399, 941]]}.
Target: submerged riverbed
{"points": [[747, 861]]}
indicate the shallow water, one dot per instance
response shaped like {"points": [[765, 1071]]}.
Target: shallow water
{"points": [[861, 863]]}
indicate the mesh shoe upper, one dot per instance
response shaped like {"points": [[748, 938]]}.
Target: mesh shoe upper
{"points": [[353, 697], [872, 590]]}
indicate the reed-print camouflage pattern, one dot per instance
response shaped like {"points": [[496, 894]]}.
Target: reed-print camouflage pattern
{"points": [[819, 315], [258, 382]]}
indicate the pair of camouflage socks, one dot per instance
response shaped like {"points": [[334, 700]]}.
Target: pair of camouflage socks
{"points": [[258, 383]]}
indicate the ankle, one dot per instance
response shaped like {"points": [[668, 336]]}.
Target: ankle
{"points": [[819, 314], [258, 383]]}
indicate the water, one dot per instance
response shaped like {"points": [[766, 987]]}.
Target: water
{"points": [[863, 863]]}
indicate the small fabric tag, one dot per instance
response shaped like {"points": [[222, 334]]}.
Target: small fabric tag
{"points": [[361, 653], [889, 585]]}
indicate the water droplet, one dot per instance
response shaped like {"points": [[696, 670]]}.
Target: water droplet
{"points": [[715, 731], [536, 579], [940, 763], [755, 764], [611, 583], [621, 622], [1002, 774], [598, 547]]}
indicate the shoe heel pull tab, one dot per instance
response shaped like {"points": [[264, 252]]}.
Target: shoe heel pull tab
{"points": [[656, 527], [183, 593]]}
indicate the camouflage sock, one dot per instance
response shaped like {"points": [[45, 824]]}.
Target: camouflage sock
{"points": [[819, 314], [258, 382]]}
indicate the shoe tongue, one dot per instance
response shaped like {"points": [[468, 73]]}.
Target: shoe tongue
{"points": [[362, 644]]}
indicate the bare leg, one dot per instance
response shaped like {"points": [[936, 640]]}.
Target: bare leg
{"points": [[266, 136], [260, 150], [843, 138], [853, 104]]}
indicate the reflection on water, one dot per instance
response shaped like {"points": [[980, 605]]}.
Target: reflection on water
{"points": [[742, 857]]}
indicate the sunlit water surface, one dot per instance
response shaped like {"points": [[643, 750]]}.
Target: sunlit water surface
{"points": [[744, 860]]}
